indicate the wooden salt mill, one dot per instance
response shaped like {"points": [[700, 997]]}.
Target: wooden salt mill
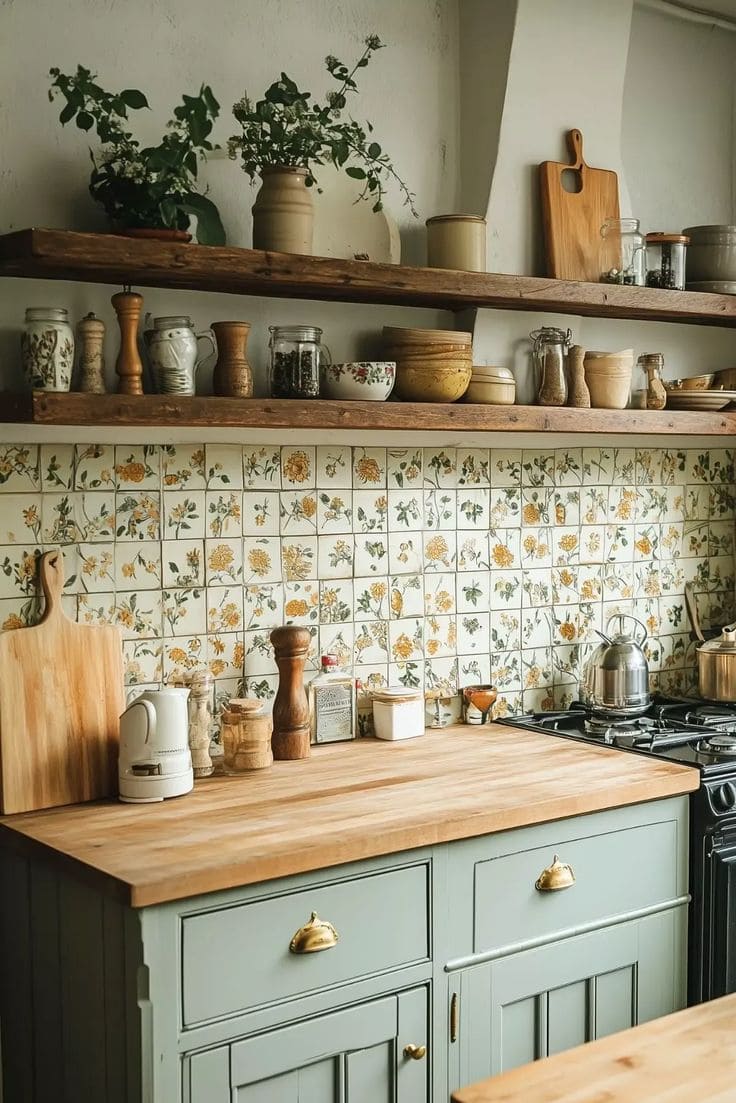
{"points": [[579, 395], [232, 376], [290, 709], [90, 342], [129, 366]]}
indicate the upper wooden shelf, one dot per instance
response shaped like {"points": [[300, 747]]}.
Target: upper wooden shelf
{"points": [[106, 258], [42, 408]]}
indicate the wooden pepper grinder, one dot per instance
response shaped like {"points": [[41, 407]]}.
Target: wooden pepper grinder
{"points": [[90, 341], [129, 366], [290, 708], [579, 393]]}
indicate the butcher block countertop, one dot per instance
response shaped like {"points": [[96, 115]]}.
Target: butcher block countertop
{"points": [[346, 802], [681, 1058]]}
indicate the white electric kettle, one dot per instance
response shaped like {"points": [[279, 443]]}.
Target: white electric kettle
{"points": [[154, 760]]}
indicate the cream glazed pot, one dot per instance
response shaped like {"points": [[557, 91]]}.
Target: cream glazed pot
{"points": [[47, 349], [283, 213]]}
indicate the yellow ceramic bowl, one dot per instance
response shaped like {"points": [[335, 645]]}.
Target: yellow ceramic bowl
{"points": [[432, 384], [694, 383]]}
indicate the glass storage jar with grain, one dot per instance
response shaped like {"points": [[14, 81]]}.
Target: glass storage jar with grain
{"points": [[297, 355]]}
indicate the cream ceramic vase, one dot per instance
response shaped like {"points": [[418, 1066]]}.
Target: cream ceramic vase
{"points": [[47, 349], [283, 213]]}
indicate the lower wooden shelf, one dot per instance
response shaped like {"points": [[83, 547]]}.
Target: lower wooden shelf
{"points": [[205, 412]]}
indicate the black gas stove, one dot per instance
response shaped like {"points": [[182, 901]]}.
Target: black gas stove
{"points": [[697, 734]]}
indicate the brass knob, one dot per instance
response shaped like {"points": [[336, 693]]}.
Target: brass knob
{"points": [[555, 877], [314, 936], [415, 1053]]}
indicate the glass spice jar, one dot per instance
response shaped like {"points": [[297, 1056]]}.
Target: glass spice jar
{"points": [[623, 253], [666, 261], [297, 357]]}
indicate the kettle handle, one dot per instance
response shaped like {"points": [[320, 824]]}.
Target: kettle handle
{"points": [[628, 616], [150, 716]]}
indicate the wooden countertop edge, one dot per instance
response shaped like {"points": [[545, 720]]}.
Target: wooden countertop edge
{"points": [[355, 844]]}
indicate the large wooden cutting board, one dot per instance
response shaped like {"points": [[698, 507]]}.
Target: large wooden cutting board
{"points": [[573, 219], [61, 695]]}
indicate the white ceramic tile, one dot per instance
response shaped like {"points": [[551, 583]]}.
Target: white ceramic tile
{"points": [[263, 605], [334, 511], [371, 598], [224, 608], [138, 567], [337, 555], [57, 466], [298, 468], [298, 513], [369, 468], [20, 518], [336, 601], [439, 467], [183, 467], [334, 467], [407, 596], [224, 562], [184, 612], [183, 514], [224, 466], [299, 558], [472, 551], [261, 559], [137, 467], [473, 468], [19, 468], [224, 513], [183, 563], [261, 513], [440, 509], [404, 468], [261, 467], [137, 516]]}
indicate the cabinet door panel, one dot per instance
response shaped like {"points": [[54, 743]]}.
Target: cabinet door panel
{"points": [[568, 1016], [614, 1001], [519, 1025]]}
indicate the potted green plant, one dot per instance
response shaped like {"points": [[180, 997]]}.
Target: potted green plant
{"points": [[145, 190], [287, 134]]}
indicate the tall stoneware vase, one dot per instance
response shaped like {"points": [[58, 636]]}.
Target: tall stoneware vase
{"points": [[283, 213]]}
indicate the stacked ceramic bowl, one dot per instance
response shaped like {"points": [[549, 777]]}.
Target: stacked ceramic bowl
{"points": [[432, 365], [491, 386], [608, 375]]}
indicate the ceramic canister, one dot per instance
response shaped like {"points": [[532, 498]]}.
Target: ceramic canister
{"points": [[457, 241], [47, 349], [172, 352]]}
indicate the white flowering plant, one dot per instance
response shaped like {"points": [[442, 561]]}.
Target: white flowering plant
{"points": [[149, 187], [287, 128]]}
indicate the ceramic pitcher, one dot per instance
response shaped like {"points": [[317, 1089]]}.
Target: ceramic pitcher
{"points": [[172, 353]]}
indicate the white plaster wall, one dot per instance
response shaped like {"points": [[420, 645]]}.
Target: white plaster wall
{"points": [[165, 47], [678, 124]]}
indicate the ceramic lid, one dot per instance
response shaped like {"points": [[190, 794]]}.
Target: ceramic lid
{"points": [[396, 694], [493, 374]]}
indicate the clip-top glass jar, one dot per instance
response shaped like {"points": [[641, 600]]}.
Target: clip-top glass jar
{"points": [[623, 253], [549, 355], [666, 261], [297, 356]]}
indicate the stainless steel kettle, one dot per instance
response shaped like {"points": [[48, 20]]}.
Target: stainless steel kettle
{"points": [[616, 676]]}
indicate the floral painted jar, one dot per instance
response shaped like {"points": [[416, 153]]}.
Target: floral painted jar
{"points": [[47, 349]]}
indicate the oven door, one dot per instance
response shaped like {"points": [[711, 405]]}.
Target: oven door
{"points": [[719, 918]]}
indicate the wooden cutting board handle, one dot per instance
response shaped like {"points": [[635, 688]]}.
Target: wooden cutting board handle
{"points": [[575, 146], [51, 573]]}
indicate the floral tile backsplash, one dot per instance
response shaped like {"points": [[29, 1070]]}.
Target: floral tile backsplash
{"points": [[432, 567]]}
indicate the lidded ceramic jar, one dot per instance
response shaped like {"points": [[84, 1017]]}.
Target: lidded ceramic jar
{"points": [[172, 352], [47, 348], [457, 241]]}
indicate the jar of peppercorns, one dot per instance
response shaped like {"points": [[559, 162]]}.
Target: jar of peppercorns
{"points": [[666, 261], [297, 356]]}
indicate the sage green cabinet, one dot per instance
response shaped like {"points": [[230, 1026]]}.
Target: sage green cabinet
{"points": [[541, 1001], [201, 1001], [354, 1054]]}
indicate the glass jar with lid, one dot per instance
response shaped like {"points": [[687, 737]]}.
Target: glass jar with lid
{"points": [[666, 261], [297, 356], [549, 356], [623, 253]]}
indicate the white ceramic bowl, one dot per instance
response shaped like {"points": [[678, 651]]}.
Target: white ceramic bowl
{"points": [[492, 386], [369, 380]]}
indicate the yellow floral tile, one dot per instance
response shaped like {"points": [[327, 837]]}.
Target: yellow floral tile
{"points": [[368, 678], [183, 515], [226, 654], [334, 511], [137, 467], [336, 601], [19, 612], [298, 513], [263, 605], [405, 640], [224, 513], [181, 655], [223, 562], [299, 558], [536, 547], [298, 468], [57, 466], [142, 661], [259, 655], [439, 595], [261, 513], [183, 467], [20, 518], [261, 467], [137, 516], [94, 467], [405, 552], [261, 560], [565, 546], [440, 467], [224, 466], [439, 551], [183, 562], [96, 564], [138, 615], [19, 468], [372, 597], [184, 612], [440, 636], [19, 570], [224, 608], [138, 566], [506, 590], [404, 468], [334, 467], [371, 642], [369, 468], [301, 602], [406, 595], [370, 510]]}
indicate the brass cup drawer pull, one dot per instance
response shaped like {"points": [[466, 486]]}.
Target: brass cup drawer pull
{"points": [[314, 936], [556, 877], [415, 1053]]}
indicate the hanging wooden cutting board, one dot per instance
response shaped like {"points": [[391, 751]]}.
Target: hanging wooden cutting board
{"points": [[61, 695], [573, 219]]}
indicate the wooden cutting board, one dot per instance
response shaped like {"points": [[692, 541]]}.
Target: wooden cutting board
{"points": [[573, 219], [61, 695]]}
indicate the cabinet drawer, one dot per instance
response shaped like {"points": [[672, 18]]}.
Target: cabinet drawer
{"points": [[237, 958], [616, 873]]}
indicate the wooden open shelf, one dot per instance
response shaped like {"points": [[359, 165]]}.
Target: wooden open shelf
{"points": [[44, 408], [106, 258]]}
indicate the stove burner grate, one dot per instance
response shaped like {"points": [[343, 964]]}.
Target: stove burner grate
{"points": [[720, 743]]}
